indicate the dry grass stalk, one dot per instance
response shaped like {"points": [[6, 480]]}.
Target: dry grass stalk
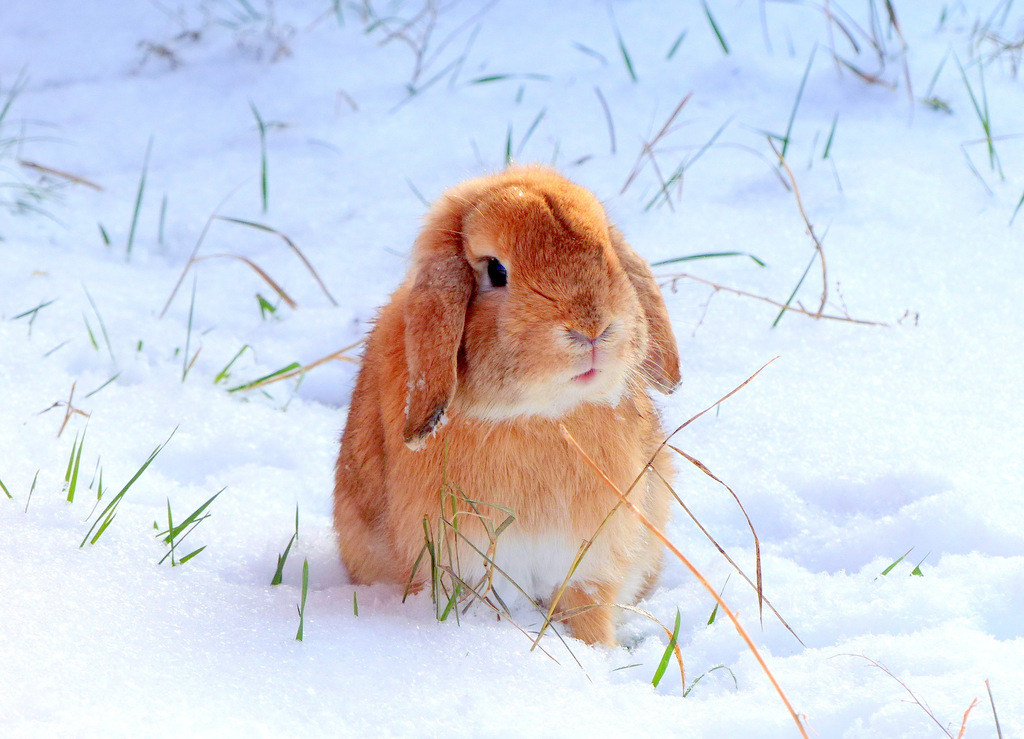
{"points": [[42, 169], [291, 245], [995, 716], [647, 151], [258, 270], [730, 560], [689, 565], [920, 703], [757, 542], [670, 281]]}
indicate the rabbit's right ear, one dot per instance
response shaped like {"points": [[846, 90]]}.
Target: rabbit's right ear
{"points": [[435, 314]]}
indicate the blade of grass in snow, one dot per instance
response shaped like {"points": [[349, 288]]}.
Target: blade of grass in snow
{"points": [[1017, 209], [981, 110], [590, 52], [530, 130], [714, 611], [223, 374], [6, 491], [185, 363], [31, 490], [607, 117], [683, 166], [103, 326], [713, 669], [282, 558], [302, 605], [32, 313], [715, 28], [667, 656], [355, 603], [831, 136], [508, 146], [792, 295], [138, 200], [419, 196], [176, 533], [261, 380], [917, 568], [107, 515], [796, 103], [709, 256], [104, 235], [92, 336], [625, 56], [71, 478], [263, 154], [89, 395], [500, 77], [676, 45]]}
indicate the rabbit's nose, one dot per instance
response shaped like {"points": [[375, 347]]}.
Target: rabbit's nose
{"points": [[591, 337]]}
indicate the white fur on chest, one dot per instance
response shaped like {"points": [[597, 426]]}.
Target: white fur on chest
{"points": [[535, 563]]}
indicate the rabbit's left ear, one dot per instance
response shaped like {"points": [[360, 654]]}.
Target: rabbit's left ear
{"points": [[435, 315], [661, 365]]}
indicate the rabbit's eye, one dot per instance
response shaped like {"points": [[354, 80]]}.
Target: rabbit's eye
{"points": [[497, 273]]}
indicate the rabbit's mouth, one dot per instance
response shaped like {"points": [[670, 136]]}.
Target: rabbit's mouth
{"points": [[587, 376]]}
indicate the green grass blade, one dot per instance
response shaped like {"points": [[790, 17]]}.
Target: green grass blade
{"points": [[107, 515], [73, 483], [667, 656], [263, 155], [625, 56], [711, 255], [715, 28], [6, 491], [302, 607], [530, 130], [89, 395], [796, 103], [831, 136], [676, 45], [138, 199], [103, 326], [891, 567], [188, 331], [223, 374], [281, 559], [792, 295], [1016, 210], [291, 367]]}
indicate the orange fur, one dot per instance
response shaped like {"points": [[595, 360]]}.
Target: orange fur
{"points": [[465, 383]]}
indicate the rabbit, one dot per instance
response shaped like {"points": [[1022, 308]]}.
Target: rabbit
{"points": [[524, 310]]}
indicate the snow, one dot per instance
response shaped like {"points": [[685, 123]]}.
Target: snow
{"points": [[857, 444]]}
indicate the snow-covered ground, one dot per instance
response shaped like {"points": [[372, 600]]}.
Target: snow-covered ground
{"points": [[858, 444]]}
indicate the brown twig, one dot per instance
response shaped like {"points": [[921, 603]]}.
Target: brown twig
{"points": [[341, 356], [689, 565], [69, 409]]}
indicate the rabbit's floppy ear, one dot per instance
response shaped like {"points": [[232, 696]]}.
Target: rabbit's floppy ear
{"points": [[435, 313], [661, 365]]}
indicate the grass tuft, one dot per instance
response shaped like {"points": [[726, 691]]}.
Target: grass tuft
{"points": [[108, 514], [176, 533]]}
